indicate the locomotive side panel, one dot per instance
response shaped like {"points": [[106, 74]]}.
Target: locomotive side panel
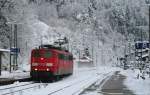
{"points": [[65, 64]]}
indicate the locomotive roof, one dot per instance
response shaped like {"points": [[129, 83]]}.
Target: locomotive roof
{"points": [[52, 47]]}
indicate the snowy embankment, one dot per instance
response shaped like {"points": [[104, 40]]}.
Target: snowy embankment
{"points": [[139, 86]]}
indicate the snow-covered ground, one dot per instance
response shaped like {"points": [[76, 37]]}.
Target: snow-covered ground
{"points": [[72, 85], [138, 86], [81, 79], [15, 74]]}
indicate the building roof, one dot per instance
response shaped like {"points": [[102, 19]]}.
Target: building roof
{"points": [[4, 50]]}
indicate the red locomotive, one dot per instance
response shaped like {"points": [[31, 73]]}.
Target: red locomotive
{"points": [[50, 62]]}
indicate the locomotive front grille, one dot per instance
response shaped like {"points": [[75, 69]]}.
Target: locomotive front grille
{"points": [[42, 64], [41, 74]]}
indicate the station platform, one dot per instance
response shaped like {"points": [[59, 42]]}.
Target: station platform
{"points": [[9, 78]]}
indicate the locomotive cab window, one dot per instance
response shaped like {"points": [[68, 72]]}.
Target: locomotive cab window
{"points": [[48, 54], [66, 57], [36, 54], [61, 56], [70, 57]]}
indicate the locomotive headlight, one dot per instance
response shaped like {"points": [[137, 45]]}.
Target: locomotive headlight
{"points": [[34, 64], [47, 69], [49, 64]]}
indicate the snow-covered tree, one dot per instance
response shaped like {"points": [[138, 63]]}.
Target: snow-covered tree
{"points": [[100, 25]]}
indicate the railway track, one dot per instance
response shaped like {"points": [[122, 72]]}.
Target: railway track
{"points": [[76, 85], [13, 90]]}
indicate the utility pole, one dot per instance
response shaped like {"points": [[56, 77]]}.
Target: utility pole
{"points": [[10, 43], [93, 44], [16, 36], [125, 54], [149, 39], [79, 56], [83, 40], [130, 54], [141, 64], [15, 65], [102, 56], [149, 34], [92, 48], [0, 62]]}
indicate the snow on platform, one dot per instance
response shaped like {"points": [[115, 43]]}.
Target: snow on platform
{"points": [[138, 86], [5, 50], [14, 75]]}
